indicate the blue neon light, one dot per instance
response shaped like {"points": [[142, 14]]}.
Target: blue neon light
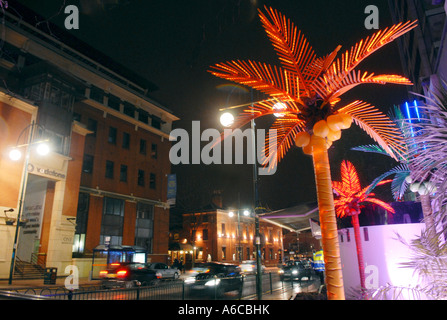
{"points": [[415, 103], [407, 107]]}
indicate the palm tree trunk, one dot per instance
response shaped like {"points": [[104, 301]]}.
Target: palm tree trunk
{"points": [[428, 215], [358, 243], [328, 223]]}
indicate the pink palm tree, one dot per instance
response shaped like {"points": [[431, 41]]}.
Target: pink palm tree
{"points": [[348, 202]]}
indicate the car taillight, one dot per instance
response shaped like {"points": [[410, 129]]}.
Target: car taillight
{"points": [[103, 273], [121, 273]]}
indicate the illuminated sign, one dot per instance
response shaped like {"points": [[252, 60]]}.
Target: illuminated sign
{"points": [[46, 172]]}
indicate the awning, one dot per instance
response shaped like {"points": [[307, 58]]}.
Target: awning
{"points": [[295, 218]]}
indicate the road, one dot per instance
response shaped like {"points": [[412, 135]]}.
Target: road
{"points": [[177, 290]]}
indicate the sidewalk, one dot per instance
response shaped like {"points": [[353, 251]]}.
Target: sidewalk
{"points": [[35, 283]]}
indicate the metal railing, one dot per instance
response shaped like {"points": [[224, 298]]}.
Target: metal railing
{"points": [[165, 290]]}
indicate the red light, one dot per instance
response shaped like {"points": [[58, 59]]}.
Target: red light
{"points": [[115, 264], [121, 273], [103, 273]]}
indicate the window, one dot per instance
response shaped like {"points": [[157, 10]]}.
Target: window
{"points": [[87, 165], [223, 230], [129, 110], [366, 234], [205, 234], [142, 146], [112, 221], [126, 140], [114, 102], [77, 116], [92, 125], [97, 94], [152, 181], [109, 169], [224, 253], [55, 95], [112, 135], [144, 226], [156, 122], [123, 173], [154, 152], [140, 178], [81, 222], [143, 117]]}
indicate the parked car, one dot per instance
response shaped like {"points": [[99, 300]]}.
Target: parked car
{"points": [[128, 275], [216, 280], [250, 267], [296, 270], [166, 271]]}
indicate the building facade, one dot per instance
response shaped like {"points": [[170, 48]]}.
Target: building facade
{"points": [[226, 236], [105, 179], [423, 50]]}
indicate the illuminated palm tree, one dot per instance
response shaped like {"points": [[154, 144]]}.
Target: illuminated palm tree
{"points": [[409, 164], [305, 97], [349, 201]]}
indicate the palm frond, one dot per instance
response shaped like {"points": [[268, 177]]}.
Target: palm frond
{"points": [[372, 148], [380, 203], [333, 86], [361, 50], [377, 125], [402, 170], [292, 47], [349, 177], [264, 108], [271, 80], [286, 130]]}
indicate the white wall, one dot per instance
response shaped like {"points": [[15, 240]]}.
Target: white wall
{"points": [[383, 255]]}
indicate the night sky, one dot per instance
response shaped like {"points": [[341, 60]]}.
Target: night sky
{"points": [[173, 44]]}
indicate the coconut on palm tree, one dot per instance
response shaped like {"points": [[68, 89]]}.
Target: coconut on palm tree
{"points": [[305, 96]]}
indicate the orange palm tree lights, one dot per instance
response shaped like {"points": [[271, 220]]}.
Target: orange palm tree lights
{"points": [[309, 90], [349, 200]]}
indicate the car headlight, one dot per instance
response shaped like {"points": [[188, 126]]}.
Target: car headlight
{"points": [[212, 283], [281, 271], [190, 280], [295, 272]]}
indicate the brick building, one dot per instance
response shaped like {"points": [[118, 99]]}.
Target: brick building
{"points": [[105, 179]]}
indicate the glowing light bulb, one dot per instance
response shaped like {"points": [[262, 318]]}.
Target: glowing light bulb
{"points": [[43, 149], [279, 106], [15, 154], [227, 119]]}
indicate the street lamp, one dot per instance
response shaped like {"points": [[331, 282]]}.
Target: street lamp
{"points": [[227, 119], [280, 107], [15, 154]]}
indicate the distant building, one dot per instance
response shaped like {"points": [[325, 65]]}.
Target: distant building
{"points": [[224, 235], [423, 51], [105, 180]]}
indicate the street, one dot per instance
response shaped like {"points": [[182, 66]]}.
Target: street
{"points": [[272, 288]]}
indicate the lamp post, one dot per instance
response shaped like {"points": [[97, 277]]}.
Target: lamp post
{"points": [[15, 155], [227, 120]]}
